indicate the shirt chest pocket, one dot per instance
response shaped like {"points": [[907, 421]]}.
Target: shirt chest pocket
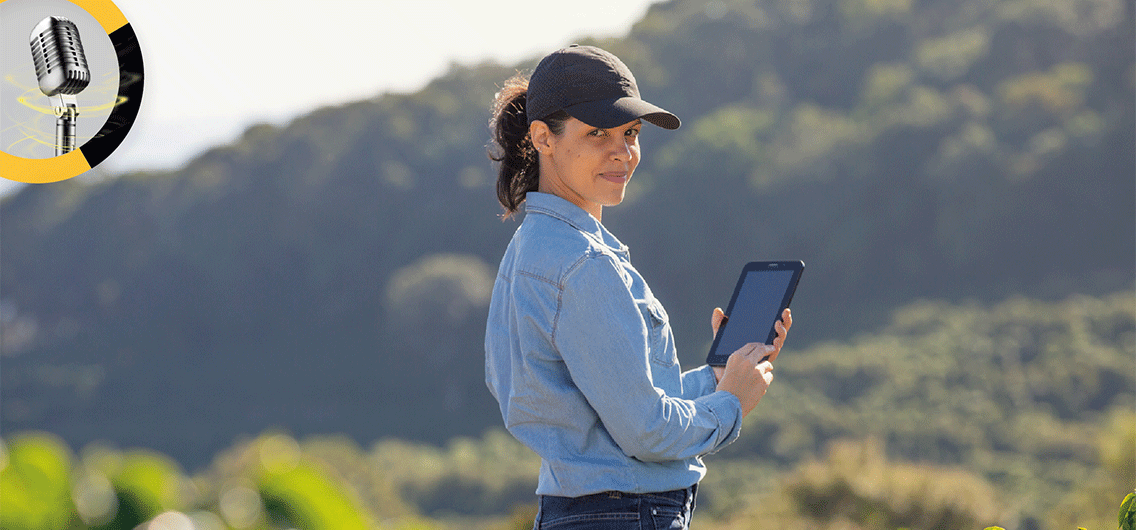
{"points": [[659, 341]]}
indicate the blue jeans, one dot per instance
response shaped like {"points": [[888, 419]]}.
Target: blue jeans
{"points": [[617, 511]]}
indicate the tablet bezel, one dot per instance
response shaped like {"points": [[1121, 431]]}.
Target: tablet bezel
{"points": [[715, 359]]}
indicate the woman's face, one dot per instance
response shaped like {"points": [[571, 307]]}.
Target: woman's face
{"points": [[586, 165]]}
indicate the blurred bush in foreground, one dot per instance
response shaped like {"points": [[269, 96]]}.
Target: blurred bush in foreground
{"points": [[266, 484]]}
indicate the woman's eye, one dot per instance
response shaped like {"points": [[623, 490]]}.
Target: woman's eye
{"points": [[598, 132], [632, 132]]}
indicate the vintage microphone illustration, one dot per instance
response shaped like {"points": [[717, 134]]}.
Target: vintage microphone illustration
{"points": [[62, 70]]}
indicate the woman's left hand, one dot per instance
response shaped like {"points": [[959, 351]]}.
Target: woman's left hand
{"points": [[782, 326]]}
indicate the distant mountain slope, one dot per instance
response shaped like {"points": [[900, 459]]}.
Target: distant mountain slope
{"points": [[330, 275]]}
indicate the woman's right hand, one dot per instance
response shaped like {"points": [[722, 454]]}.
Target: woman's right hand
{"points": [[747, 376]]}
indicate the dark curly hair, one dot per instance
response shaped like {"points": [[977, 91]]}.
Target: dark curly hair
{"points": [[511, 146]]}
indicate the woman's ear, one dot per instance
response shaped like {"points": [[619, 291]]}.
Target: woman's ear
{"points": [[541, 137]]}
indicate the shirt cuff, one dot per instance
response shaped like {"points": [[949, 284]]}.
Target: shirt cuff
{"points": [[727, 409], [699, 382]]}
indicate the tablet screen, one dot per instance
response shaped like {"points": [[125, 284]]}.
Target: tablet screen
{"points": [[758, 300]]}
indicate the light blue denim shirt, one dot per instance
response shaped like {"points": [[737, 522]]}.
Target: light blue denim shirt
{"points": [[581, 358]]}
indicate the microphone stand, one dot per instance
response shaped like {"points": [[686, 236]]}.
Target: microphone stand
{"points": [[66, 111]]}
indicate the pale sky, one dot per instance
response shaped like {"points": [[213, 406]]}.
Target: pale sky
{"points": [[214, 67]]}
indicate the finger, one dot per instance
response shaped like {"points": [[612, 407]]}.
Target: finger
{"points": [[787, 318], [716, 319], [732, 360], [775, 348], [748, 354], [762, 351], [765, 369], [782, 329], [742, 355]]}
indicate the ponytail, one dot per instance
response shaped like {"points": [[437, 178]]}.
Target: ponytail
{"points": [[519, 169]]}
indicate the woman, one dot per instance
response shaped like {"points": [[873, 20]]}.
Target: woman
{"points": [[579, 353]]}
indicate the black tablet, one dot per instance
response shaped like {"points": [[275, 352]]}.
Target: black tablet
{"points": [[764, 290]]}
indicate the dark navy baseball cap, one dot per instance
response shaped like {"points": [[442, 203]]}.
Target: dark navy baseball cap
{"points": [[592, 86]]}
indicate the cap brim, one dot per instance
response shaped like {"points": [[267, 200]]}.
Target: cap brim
{"points": [[608, 113]]}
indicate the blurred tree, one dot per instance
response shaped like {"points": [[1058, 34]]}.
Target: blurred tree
{"points": [[486, 476], [950, 57], [432, 308], [442, 288]]}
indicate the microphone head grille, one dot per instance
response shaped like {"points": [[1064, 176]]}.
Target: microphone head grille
{"points": [[57, 52]]}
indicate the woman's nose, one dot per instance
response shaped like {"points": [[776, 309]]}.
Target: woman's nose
{"points": [[621, 150]]}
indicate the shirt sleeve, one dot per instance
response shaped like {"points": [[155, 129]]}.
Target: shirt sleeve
{"points": [[603, 339], [698, 382]]}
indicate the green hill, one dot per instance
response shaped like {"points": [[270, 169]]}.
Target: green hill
{"points": [[330, 275]]}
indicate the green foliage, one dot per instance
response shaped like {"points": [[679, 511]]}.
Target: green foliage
{"points": [[814, 138], [874, 8], [444, 286], [950, 57], [1126, 517], [375, 484], [1075, 16], [267, 484], [1090, 502], [301, 496], [145, 485], [1060, 90], [885, 465], [272, 482], [857, 487], [989, 390], [492, 475], [736, 135], [35, 471]]}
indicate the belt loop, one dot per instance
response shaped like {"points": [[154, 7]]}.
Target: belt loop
{"points": [[539, 512]]}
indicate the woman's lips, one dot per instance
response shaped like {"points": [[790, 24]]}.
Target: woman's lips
{"points": [[618, 177]]}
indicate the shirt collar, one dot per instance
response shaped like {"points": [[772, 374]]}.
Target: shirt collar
{"points": [[559, 208]]}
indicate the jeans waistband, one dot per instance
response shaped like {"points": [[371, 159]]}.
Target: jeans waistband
{"points": [[681, 496], [615, 506]]}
